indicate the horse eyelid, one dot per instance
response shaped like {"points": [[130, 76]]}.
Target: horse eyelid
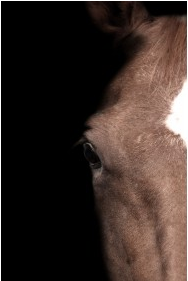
{"points": [[81, 141]]}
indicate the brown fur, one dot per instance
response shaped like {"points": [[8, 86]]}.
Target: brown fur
{"points": [[141, 190]]}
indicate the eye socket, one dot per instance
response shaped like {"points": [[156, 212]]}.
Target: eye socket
{"points": [[91, 156]]}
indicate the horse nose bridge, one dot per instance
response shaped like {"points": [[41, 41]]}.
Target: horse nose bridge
{"points": [[144, 218]]}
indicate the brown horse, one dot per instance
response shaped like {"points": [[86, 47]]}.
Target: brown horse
{"points": [[136, 146]]}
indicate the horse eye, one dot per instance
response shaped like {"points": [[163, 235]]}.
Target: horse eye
{"points": [[91, 156]]}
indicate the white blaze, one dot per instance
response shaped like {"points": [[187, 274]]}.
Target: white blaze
{"points": [[176, 121]]}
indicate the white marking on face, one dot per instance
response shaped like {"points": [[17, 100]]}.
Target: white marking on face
{"points": [[176, 121]]}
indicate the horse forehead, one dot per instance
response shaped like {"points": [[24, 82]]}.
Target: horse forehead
{"points": [[142, 96], [135, 118]]}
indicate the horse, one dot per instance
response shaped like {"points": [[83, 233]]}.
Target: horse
{"points": [[135, 144]]}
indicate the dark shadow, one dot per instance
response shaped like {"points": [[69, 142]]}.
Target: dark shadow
{"points": [[159, 8]]}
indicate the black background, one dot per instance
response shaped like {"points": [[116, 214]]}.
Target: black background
{"points": [[55, 66]]}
